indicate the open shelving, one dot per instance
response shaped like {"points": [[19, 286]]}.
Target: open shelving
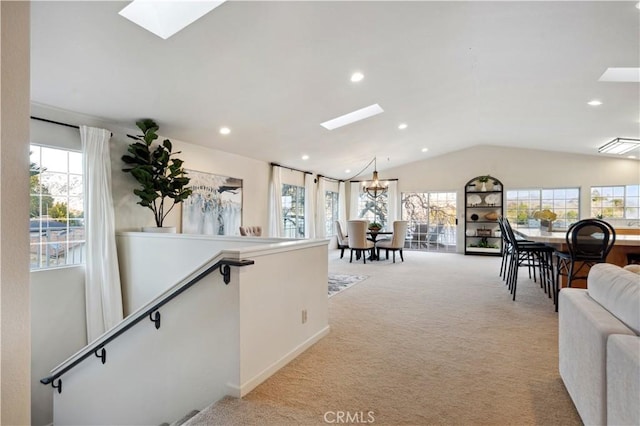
{"points": [[483, 204]]}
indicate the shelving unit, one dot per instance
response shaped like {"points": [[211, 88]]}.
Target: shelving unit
{"points": [[482, 205]]}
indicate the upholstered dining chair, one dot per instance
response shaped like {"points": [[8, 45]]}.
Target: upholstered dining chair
{"points": [[343, 241], [251, 231], [396, 243], [358, 242]]}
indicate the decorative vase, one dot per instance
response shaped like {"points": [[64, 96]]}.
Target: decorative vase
{"points": [[546, 225], [484, 187]]}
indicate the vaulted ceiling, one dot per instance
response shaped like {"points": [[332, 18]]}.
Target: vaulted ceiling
{"points": [[458, 74]]}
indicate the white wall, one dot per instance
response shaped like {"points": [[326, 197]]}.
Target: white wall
{"points": [[58, 329], [254, 174], [15, 345], [515, 168]]}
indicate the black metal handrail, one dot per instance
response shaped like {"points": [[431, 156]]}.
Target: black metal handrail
{"points": [[97, 348]]}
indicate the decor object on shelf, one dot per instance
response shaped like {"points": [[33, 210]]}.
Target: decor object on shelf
{"points": [[483, 232], [475, 217], [484, 180], [470, 233], [491, 216], [492, 199], [214, 207], [474, 199], [159, 175]]}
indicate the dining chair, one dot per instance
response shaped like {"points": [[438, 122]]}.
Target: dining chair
{"points": [[251, 231], [589, 241], [533, 255], [357, 237], [343, 241], [396, 242]]}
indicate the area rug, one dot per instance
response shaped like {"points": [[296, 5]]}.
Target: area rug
{"points": [[341, 282]]}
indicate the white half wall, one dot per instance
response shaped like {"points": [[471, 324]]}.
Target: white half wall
{"points": [[58, 330]]}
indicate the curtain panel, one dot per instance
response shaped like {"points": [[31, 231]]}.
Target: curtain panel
{"points": [[102, 283], [275, 203]]}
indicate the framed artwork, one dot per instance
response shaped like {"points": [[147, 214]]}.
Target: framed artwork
{"points": [[214, 207]]}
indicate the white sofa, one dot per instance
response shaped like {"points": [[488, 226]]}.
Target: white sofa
{"points": [[599, 346]]}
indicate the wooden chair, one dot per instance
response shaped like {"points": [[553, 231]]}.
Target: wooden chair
{"points": [[358, 242], [396, 243], [343, 241], [251, 231]]}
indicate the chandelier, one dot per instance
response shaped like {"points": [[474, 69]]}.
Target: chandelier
{"points": [[374, 189]]}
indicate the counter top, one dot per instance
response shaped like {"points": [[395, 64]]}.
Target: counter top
{"points": [[535, 234]]}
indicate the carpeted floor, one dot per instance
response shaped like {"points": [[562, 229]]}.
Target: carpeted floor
{"points": [[435, 340]]}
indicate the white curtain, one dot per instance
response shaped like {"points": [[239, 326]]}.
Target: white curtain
{"points": [[321, 214], [354, 200], [102, 283], [393, 201], [342, 203], [275, 203], [309, 206]]}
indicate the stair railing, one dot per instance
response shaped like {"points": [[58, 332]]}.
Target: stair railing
{"points": [[98, 346]]}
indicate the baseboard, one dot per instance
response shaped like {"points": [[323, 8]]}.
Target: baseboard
{"points": [[249, 385]]}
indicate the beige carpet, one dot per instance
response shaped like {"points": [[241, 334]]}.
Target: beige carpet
{"points": [[435, 340]]}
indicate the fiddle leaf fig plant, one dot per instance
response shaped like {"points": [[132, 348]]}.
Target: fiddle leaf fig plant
{"points": [[162, 179]]}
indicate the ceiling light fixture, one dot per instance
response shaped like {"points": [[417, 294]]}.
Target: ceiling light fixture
{"points": [[165, 18], [619, 146], [356, 77], [225, 130], [594, 102], [425, 149], [374, 189], [402, 126], [352, 117], [305, 157]]}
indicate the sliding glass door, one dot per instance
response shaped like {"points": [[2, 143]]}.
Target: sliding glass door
{"points": [[432, 220]]}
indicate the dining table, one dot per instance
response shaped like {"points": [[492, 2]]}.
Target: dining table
{"points": [[623, 245]]}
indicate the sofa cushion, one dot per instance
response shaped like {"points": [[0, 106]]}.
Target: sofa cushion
{"points": [[623, 380], [618, 291]]}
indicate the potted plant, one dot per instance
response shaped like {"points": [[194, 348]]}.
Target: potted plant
{"points": [[162, 179], [484, 180], [375, 226]]}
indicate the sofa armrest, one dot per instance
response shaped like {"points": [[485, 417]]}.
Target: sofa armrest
{"points": [[583, 329], [623, 380]]}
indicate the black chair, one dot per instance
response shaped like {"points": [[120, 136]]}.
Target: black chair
{"points": [[531, 254], [589, 241]]}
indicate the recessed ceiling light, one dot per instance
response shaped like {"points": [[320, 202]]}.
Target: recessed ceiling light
{"points": [[631, 156], [305, 157], [637, 5], [352, 117], [594, 102], [225, 130], [621, 75], [425, 149], [165, 18], [348, 171], [356, 77], [402, 126]]}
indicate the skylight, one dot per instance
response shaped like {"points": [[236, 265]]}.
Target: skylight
{"points": [[352, 117], [621, 75], [165, 18]]}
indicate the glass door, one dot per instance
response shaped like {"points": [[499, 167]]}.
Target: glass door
{"points": [[432, 220]]}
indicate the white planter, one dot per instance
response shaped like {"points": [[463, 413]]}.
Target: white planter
{"points": [[163, 230]]}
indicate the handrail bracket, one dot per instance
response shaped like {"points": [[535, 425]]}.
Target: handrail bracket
{"points": [[101, 353], [155, 318]]}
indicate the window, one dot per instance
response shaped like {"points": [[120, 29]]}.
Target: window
{"points": [[523, 203], [615, 202], [293, 210], [331, 212], [56, 217], [374, 210]]}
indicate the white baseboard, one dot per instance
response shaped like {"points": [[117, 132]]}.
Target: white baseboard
{"points": [[249, 385]]}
